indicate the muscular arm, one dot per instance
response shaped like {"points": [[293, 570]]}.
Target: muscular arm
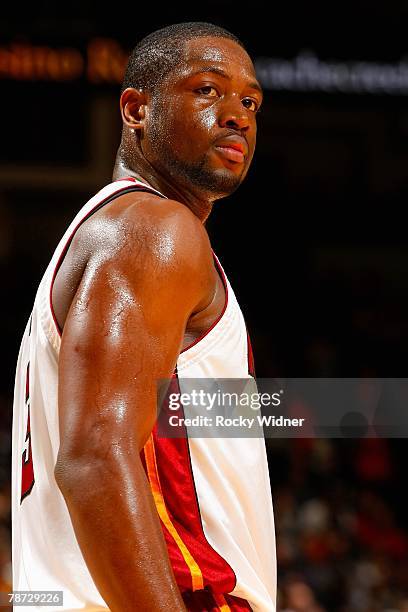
{"points": [[124, 331]]}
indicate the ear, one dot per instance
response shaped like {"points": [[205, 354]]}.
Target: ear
{"points": [[132, 107]]}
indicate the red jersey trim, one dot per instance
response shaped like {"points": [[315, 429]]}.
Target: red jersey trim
{"points": [[251, 361], [175, 479]]}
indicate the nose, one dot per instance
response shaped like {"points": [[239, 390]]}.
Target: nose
{"points": [[234, 115]]}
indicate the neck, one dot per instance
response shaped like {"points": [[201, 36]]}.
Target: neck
{"points": [[199, 206]]}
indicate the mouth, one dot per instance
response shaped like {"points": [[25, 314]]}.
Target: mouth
{"points": [[233, 152]]}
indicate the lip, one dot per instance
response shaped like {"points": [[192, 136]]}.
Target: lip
{"points": [[231, 153], [233, 148]]}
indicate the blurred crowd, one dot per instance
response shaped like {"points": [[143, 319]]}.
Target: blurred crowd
{"points": [[341, 523]]}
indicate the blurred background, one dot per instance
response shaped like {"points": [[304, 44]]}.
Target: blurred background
{"points": [[314, 242]]}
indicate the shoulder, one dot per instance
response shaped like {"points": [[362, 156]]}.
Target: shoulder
{"points": [[152, 217], [140, 242], [145, 227]]}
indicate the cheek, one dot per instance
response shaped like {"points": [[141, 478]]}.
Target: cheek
{"points": [[207, 119], [160, 131], [187, 132], [196, 131]]}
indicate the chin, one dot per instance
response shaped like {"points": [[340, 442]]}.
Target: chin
{"points": [[217, 182], [221, 181]]}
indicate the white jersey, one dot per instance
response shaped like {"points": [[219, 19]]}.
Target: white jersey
{"points": [[212, 495]]}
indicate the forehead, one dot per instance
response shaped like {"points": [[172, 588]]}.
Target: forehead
{"points": [[216, 51]]}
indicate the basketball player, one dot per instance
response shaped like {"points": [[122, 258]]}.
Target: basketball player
{"points": [[103, 508]]}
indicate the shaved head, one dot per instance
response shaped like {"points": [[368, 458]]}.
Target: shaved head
{"points": [[160, 52]]}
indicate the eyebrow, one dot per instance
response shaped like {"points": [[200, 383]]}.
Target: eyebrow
{"points": [[221, 72]]}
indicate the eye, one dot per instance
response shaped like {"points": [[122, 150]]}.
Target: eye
{"points": [[250, 104], [208, 90]]}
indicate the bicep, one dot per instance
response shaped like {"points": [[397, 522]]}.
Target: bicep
{"points": [[118, 340]]}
